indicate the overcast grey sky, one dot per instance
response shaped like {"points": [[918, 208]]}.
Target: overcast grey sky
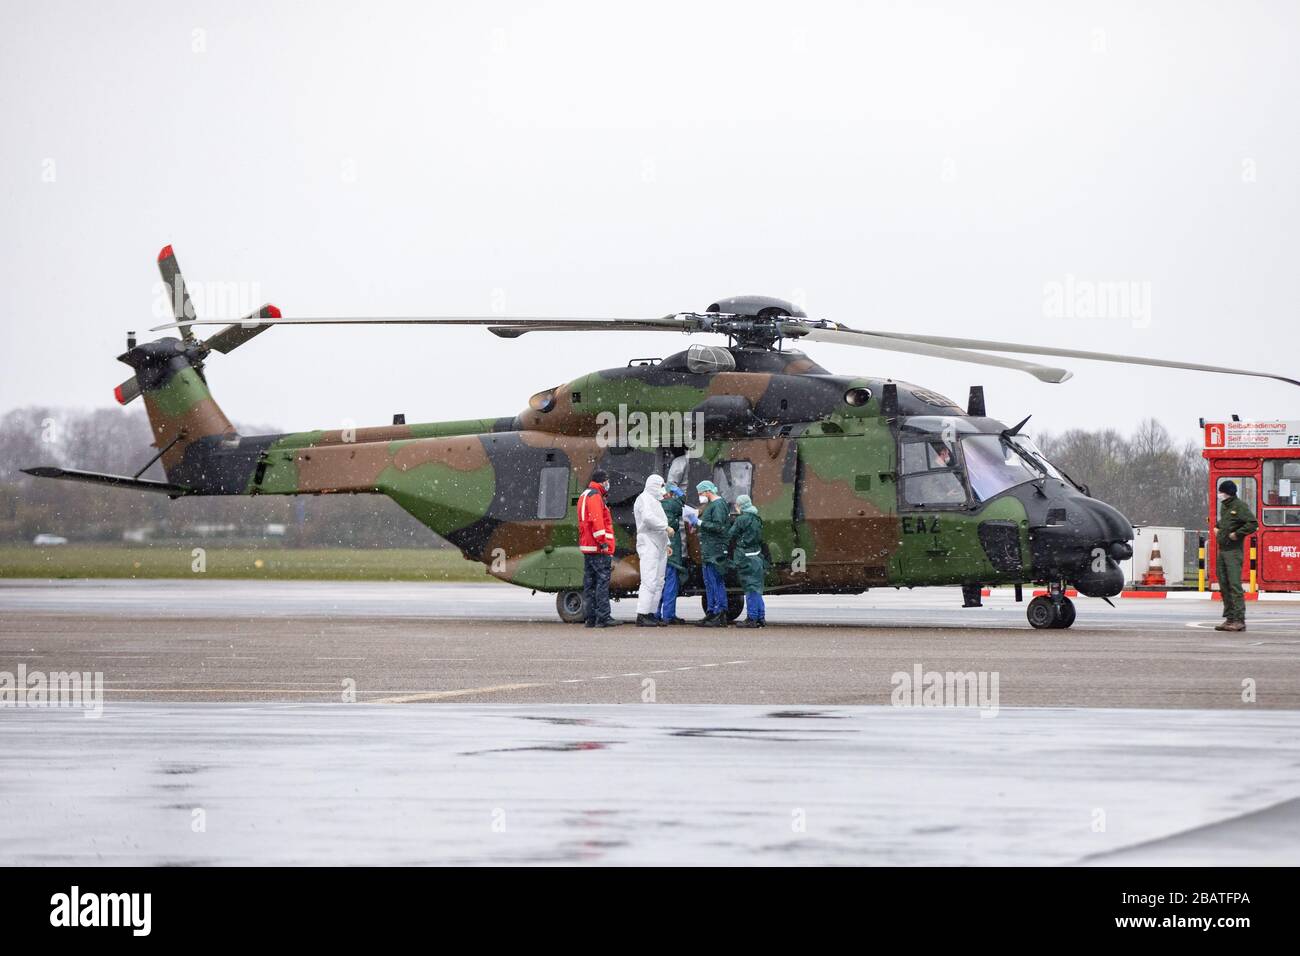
{"points": [[938, 168]]}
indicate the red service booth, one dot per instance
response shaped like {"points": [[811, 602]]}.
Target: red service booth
{"points": [[1263, 458]]}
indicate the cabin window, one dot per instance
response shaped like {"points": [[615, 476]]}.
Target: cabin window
{"points": [[733, 478], [553, 492]]}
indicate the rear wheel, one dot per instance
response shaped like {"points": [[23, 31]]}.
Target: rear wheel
{"points": [[571, 606]]}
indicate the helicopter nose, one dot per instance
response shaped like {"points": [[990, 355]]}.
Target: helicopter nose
{"points": [[1081, 541]]}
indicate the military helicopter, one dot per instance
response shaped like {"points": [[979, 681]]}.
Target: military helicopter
{"points": [[862, 482]]}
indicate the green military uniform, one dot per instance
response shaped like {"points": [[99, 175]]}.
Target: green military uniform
{"points": [[673, 507], [715, 527], [1236, 519], [746, 540]]}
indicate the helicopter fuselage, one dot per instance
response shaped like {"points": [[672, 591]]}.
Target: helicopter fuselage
{"points": [[861, 482]]}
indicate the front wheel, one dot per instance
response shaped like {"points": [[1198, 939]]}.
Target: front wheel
{"points": [[1041, 613], [571, 606]]}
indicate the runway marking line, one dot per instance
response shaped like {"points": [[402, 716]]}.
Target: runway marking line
{"points": [[412, 697], [443, 694], [498, 688]]}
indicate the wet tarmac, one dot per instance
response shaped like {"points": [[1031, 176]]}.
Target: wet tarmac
{"points": [[255, 641], [485, 731], [332, 784]]}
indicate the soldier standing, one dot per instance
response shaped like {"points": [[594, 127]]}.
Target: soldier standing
{"points": [[747, 558], [715, 526], [1236, 523]]}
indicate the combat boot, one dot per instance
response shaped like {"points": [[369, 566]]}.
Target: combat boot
{"points": [[752, 622]]}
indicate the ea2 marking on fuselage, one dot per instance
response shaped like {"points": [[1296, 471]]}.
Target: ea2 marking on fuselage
{"points": [[920, 524]]}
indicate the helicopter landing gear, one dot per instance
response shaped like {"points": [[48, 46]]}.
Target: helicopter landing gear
{"points": [[571, 607], [1051, 610]]}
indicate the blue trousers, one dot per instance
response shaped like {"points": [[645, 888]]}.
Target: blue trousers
{"points": [[755, 609], [672, 584], [715, 590]]}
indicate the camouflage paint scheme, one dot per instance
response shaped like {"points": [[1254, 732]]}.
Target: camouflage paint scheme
{"points": [[824, 472]]}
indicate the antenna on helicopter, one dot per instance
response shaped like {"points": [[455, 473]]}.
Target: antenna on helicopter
{"points": [[1014, 430]]}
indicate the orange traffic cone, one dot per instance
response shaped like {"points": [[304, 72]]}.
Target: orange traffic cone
{"points": [[1155, 567]]}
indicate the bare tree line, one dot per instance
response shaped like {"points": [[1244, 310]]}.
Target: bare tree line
{"points": [[1148, 476]]}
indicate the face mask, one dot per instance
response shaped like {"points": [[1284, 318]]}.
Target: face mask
{"points": [[1223, 496], [605, 486]]}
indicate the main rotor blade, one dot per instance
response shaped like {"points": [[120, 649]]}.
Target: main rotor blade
{"points": [[528, 323], [894, 343], [1080, 354]]}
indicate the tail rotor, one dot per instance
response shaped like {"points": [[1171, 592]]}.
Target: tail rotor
{"points": [[225, 341]]}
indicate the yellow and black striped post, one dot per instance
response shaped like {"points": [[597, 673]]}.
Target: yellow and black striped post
{"points": [[1200, 562], [1254, 546]]}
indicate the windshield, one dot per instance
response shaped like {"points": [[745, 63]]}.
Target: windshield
{"points": [[994, 464], [1026, 445]]}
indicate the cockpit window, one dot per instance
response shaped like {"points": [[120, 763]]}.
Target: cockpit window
{"points": [[921, 456], [931, 476], [934, 488], [995, 464]]}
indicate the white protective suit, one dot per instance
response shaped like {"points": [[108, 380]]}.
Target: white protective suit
{"points": [[651, 544]]}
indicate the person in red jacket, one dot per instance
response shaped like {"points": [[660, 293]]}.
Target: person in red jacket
{"points": [[596, 542]]}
